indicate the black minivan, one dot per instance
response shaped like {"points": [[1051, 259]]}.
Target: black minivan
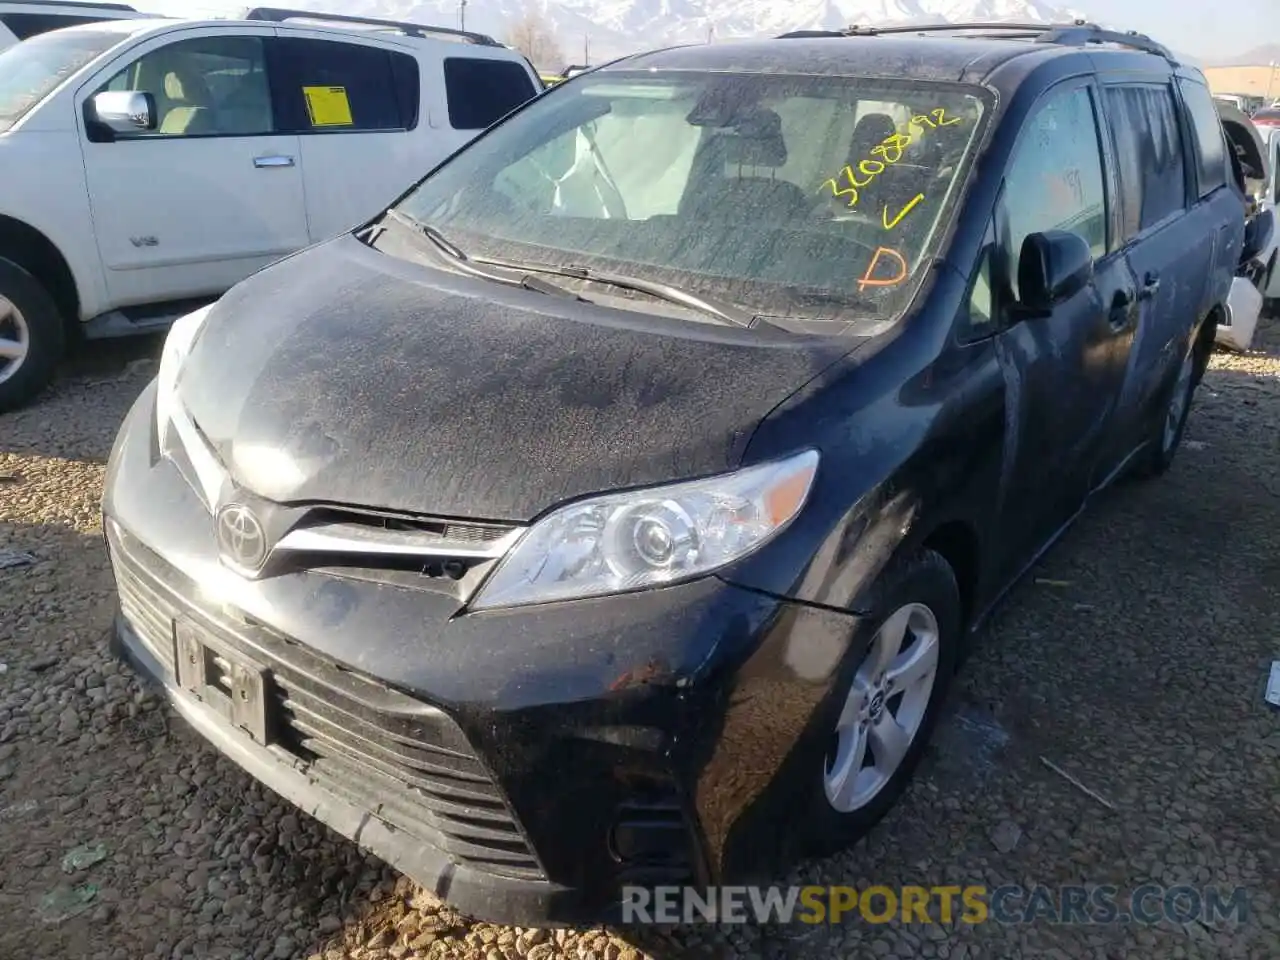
{"points": [[614, 509]]}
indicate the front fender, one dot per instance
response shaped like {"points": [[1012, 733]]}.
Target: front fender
{"points": [[44, 188]]}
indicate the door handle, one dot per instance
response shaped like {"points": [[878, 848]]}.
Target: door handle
{"points": [[277, 161], [1150, 286], [1121, 310]]}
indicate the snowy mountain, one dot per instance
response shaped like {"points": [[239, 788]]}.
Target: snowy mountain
{"points": [[615, 27]]}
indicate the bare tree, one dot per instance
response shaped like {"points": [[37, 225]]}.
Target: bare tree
{"points": [[533, 36]]}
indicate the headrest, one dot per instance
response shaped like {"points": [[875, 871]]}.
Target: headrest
{"points": [[755, 139], [185, 86], [871, 130]]}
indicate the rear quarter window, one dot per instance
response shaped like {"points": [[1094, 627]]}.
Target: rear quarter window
{"points": [[481, 91], [1212, 164]]}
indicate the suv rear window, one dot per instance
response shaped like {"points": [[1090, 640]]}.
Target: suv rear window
{"points": [[24, 25], [481, 92], [324, 85]]}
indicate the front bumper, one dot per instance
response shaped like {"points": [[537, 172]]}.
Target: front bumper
{"points": [[524, 765]]}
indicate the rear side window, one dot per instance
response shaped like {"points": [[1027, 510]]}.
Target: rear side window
{"points": [[25, 25], [327, 85], [1144, 122], [1211, 149], [481, 92]]}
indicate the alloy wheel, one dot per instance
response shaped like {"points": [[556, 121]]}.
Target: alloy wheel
{"points": [[1178, 403], [884, 709], [15, 339]]}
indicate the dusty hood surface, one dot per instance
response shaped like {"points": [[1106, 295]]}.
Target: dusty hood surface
{"points": [[344, 375]]}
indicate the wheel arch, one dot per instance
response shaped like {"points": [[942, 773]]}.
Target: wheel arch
{"points": [[957, 542], [24, 245], [1205, 336], [952, 536]]}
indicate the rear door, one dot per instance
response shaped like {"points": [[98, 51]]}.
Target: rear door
{"points": [[1063, 373], [214, 192], [1170, 238], [355, 106]]}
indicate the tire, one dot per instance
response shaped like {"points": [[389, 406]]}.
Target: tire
{"points": [[923, 590], [29, 318], [1166, 434]]}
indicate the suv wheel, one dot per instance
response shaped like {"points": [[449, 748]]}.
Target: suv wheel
{"points": [[32, 337], [879, 730], [1167, 434]]}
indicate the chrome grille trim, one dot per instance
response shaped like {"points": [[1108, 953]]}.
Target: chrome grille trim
{"points": [[354, 538]]}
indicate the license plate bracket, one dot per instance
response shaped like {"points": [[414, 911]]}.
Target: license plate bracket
{"points": [[249, 701], [224, 679]]}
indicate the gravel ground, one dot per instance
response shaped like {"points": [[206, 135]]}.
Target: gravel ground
{"points": [[1134, 658]]}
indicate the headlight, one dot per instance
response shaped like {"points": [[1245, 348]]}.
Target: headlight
{"points": [[644, 538], [177, 345]]}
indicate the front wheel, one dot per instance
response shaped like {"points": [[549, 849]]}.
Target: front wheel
{"points": [[32, 337], [889, 705]]}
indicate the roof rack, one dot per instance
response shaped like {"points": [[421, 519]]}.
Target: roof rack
{"points": [[1078, 33], [92, 4], [421, 30]]}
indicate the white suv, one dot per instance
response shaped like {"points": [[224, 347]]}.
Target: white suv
{"points": [[151, 164], [22, 19]]}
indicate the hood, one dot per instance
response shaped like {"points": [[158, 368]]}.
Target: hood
{"points": [[345, 375], [1245, 139]]}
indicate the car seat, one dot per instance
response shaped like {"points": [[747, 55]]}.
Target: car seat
{"points": [[187, 106], [731, 179], [898, 182]]}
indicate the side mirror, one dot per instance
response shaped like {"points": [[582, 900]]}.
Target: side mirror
{"points": [[1052, 267], [123, 112], [1257, 235]]}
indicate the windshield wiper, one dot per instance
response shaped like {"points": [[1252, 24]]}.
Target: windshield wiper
{"points": [[661, 291], [458, 258]]}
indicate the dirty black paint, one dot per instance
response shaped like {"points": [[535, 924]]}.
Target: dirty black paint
{"points": [[385, 383], [344, 374]]}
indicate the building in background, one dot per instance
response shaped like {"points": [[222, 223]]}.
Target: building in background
{"points": [[1251, 81]]}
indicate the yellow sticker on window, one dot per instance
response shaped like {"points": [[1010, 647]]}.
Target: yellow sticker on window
{"points": [[328, 106]]}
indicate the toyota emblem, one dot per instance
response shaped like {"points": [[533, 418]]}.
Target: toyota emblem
{"points": [[241, 539]]}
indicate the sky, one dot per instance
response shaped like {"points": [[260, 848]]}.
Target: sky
{"points": [[1194, 27]]}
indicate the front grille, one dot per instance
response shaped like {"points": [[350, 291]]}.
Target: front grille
{"points": [[404, 761], [428, 530]]}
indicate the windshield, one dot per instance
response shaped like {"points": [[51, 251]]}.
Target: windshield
{"points": [[792, 196], [32, 69]]}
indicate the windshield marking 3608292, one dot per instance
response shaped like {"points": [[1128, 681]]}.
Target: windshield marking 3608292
{"points": [[759, 195]]}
